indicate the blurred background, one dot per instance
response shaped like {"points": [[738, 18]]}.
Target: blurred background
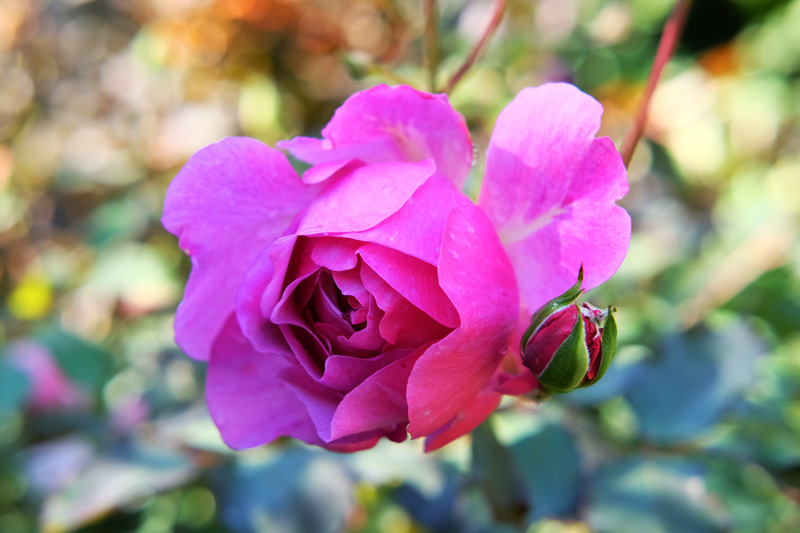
{"points": [[695, 428]]}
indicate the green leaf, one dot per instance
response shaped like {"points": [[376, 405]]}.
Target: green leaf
{"points": [[656, 496], [497, 474], [695, 378], [15, 387], [550, 465], [86, 364]]}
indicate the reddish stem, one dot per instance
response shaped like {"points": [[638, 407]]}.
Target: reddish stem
{"points": [[666, 47], [497, 17]]}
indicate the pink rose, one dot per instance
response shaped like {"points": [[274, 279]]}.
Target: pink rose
{"points": [[372, 298]]}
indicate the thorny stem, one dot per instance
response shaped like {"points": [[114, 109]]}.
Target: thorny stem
{"points": [[431, 41], [497, 17], [666, 47]]}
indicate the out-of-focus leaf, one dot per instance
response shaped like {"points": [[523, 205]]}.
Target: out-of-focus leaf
{"points": [[109, 482], [759, 433], [51, 465], [86, 364], [14, 387], [550, 465], [293, 491], [389, 462], [477, 514], [623, 368], [497, 474], [752, 498], [190, 427], [693, 379], [765, 428], [775, 297], [137, 275], [437, 511], [656, 496], [117, 220]]}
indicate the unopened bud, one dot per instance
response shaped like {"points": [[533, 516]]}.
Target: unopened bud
{"points": [[567, 345]]}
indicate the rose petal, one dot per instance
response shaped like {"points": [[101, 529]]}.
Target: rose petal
{"points": [[365, 197], [549, 189], [307, 347], [349, 282], [389, 124], [593, 234], [326, 305], [403, 324], [321, 404], [512, 377], [476, 274], [227, 204], [370, 336], [324, 171], [336, 254], [262, 286], [416, 229], [476, 412], [247, 397], [516, 385], [295, 298], [415, 280], [345, 373], [379, 402]]}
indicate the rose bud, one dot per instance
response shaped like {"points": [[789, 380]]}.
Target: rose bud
{"points": [[568, 346]]}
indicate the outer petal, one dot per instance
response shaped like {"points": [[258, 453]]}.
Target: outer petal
{"points": [[476, 412], [476, 274], [550, 188], [267, 271], [322, 403], [377, 403], [229, 202], [416, 229], [345, 373], [247, 397], [390, 124], [364, 197]]}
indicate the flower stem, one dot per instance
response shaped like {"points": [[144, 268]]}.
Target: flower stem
{"points": [[666, 47], [431, 37], [497, 17]]}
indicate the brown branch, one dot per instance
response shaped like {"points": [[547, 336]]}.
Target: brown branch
{"points": [[431, 37], [497, 17], [666, 47]]}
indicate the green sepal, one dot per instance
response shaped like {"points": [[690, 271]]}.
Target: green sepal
{"points": [[609, 344], [556, 304], [569, 364]]}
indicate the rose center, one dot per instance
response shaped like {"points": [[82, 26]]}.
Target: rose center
{"points": [[350, 307]]}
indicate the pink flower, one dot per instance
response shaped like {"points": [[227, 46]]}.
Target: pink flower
{"points": [[50, 388], [372, 298]]}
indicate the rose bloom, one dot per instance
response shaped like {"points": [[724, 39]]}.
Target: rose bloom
{"points": [[371, 298]]}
